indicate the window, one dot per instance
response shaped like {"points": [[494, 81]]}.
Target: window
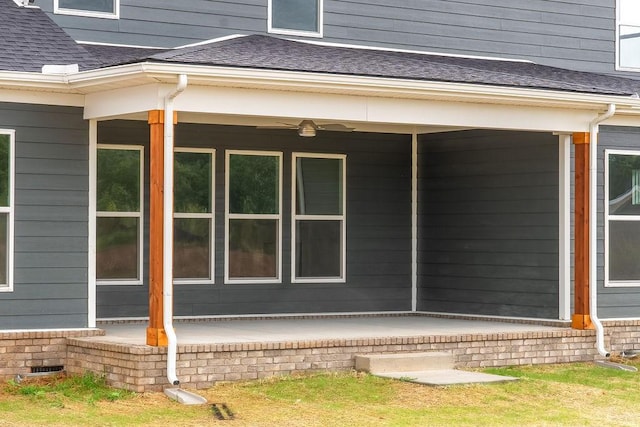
{"points": [[253, 216], [193, 237], [295, 17], [91, 8], [318, 213], [6, 209], [628, 32], [622, 210], [119, 215]]}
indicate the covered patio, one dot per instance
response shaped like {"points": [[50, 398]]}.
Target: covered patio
{"points": [[231, 349]]}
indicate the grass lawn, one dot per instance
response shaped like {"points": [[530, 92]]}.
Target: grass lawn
{"points": [[550, 395]]}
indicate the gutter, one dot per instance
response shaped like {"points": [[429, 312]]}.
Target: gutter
{"points": [[167, 242], [593, 228]]}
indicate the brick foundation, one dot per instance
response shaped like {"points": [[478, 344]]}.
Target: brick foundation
{"points": [[142, 368], [21, 351]]}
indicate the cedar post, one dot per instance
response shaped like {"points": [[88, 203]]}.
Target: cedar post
{"points": [[156, 335], [581, 318]]}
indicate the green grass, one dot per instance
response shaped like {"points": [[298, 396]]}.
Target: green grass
{"points": [[553, 395]]}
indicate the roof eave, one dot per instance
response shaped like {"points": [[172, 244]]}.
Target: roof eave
{"points": [[94, 81], [252, 78]]}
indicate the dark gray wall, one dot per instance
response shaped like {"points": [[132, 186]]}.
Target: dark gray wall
{"points": [[488, 223], [614, 302], [577, 34], [51, 206], [378, 226]]}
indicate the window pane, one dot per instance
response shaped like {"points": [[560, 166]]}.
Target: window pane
{"points": [[192, 248], [253, 184], [192, 182], [630, 12], [624, 184], [318, 186], [4, 169], [4, 244], [624, 250], [318, 249], [253, 248], [295, 15], [118, 252], [118, 180], [107, 6], [629, 46]]}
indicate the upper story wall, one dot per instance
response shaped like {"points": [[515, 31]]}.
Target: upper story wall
{"points": [[576, 34]]}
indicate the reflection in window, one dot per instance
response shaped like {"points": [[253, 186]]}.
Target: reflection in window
{"points": [[318, 217], [6, 210], [623, 218], [193, 215], [296, 16], [629, 33], [253, 215], [98, 8], [119, 215]]}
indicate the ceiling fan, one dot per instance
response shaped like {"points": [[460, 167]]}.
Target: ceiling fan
{"points": [[308, 128]]}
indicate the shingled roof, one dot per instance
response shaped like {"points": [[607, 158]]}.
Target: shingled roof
{"points": [[29, 39], [265, 52]]}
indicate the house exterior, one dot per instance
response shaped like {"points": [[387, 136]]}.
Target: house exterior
{"points": [[268, 157]]}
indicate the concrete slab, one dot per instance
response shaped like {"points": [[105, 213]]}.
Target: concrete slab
{"points": [[404, 362], [282, 329], [445, 377]]}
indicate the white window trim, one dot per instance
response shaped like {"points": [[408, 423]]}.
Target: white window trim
{"points": [[139, 215], [274, 30], [9, 210], [87, 13], [618, 24], [608, 218], [229, 216], [295, 217], [210, 216]]}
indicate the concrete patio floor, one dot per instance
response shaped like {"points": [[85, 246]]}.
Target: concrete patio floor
{"points": [[317, 328]]}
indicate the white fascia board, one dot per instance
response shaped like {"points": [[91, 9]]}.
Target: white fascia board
{"points": [[118, 102], [41, 97], [367, 109], [90, 81]]}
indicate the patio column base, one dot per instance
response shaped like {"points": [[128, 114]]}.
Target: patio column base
{"points": [[581, 321], [157, 337]]}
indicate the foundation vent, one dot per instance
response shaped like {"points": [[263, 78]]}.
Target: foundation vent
{"points": [[46, 369]]}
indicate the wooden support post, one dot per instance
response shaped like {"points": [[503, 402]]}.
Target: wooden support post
{"points": [[581, 318], [156, 335]]}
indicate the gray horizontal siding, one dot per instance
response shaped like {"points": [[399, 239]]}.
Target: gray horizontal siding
{"points": [[577, 34], [614, 302], [488, 223], [51, 206], [378, 227]]}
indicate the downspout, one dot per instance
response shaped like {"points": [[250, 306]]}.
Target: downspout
{"points": [[167, 242], [593, 228]]}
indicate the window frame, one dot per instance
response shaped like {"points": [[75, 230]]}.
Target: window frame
{"points": [[289, 32], [228, 216], [87, 13], [139, 215], [301, 217], [621, 22], [608, 218], [9, 210], [210, 216]]}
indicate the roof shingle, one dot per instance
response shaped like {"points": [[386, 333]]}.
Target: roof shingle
{"points": [[29, 39]]}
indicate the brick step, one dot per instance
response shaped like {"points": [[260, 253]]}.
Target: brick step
{"points": [[404, 362]]}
